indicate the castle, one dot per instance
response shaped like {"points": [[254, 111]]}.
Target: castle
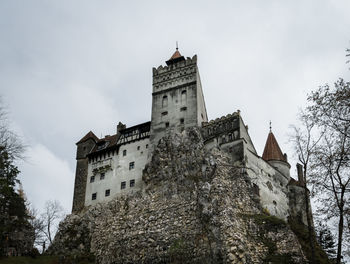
{"points": [[113, 165]]}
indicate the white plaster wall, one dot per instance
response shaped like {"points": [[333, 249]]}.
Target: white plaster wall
{"points": [[272, 185], [120, 172]]}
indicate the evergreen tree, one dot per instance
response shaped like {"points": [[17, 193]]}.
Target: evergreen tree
{"points": [[15, 230], [326, 241]]}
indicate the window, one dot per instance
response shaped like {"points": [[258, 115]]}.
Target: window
{"points": [[131, 165], [122, 185], [92, 178], [94, 196], [164, 113], [165, 101], [183, 108], [124, 152], [167, 124], [182, 121], [146, 145], [138, 147], [107, 192], [132, 183], [183, 96], [102, 176]]}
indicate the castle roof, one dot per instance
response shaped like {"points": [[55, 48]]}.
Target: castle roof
{"points": [[89, 135], [272, 150], [175, 58]]}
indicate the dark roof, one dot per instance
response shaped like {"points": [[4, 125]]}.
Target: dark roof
{"points": [[272, 150], [176, 57], [144, 127], [89, 135], [110, 140]]}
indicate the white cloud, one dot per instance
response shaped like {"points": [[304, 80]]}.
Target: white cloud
{"points": [[46, 177]]}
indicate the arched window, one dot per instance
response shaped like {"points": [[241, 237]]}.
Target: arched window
{"points": [[165, 101], [183, 96]]}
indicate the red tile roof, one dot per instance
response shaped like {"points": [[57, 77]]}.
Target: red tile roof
{"points": [[88, 136], [176, 55], [272, 150]]}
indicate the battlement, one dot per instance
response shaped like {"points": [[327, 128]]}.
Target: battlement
{"points": [[180, 73], [226, 125], [164, 69]]}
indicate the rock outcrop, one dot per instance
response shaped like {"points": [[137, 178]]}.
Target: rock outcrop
{"points": [[196, 207]]}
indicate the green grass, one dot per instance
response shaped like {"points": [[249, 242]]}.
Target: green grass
{"points": [[29, 260], [301, 231], [40, 260]]}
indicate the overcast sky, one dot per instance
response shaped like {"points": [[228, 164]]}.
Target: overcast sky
{"points": [[68, 67]]}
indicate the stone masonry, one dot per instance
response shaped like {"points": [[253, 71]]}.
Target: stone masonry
{"points": [[196, 207]]}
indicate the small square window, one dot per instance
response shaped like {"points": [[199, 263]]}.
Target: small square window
{"points": [[94, 196], [124, 152], [138, 147], [108, 192], [92, 178], [122, 185], [132, 183], [102, 176], [146, 145], [183, 108], [182, 121], [131, 165], [167, 124]]}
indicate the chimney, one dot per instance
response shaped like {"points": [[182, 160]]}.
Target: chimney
{"points": [[120, 126], [300, 173]]}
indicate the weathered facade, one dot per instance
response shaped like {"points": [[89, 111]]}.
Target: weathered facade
{"points": [[113, 165]]}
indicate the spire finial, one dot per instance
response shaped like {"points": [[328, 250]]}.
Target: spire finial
{"points": [[270, 126], [177, 46]]}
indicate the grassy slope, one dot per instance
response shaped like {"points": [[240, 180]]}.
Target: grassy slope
{"points": [[37, 260]]}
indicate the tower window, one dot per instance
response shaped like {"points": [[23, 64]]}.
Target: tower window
{"points": [[167, 124], [164, 113], [92, 178], [183, 96], [138, 147], [182, 121], [94, 196], [122, 185], [165, 101], [146, 146], [124, 152], [102, 176], [131, 165], [183, 108], [107, 192], [132, 183]]}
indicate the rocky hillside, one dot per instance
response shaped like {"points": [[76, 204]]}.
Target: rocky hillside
{"points": [[195, 208]]}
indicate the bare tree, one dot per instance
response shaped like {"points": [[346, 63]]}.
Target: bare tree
{"points": [[53, 213], [329, 109], [38, 225], [11, 142], [305, 139]]}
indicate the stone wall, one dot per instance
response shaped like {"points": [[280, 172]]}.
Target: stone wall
{"points": [[196, 207]]}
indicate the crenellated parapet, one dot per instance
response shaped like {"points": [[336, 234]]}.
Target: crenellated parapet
{"points": [[226, 128], [182, 72]]}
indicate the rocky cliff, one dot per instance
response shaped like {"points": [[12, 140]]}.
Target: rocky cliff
{"points": [[196, 207]]}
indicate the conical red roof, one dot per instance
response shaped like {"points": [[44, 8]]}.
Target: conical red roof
{"points": [[272, 150], [176, 55], [175, 58]]}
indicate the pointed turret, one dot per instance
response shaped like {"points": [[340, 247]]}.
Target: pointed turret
{"points": [[274, 155], [176, 57], [272, 150]]}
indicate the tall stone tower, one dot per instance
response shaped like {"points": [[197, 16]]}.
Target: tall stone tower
{"points": [[177, 98], [84, 146]]}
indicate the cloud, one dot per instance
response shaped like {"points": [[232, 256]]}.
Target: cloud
{"points": [[46, 177]]}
